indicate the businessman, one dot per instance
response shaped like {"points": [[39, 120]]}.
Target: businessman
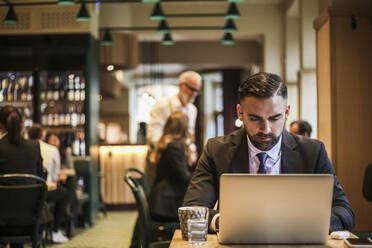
{"points": [[263, 146]]}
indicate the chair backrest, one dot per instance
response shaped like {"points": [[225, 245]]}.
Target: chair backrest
{"points": [[22, 199], [367, 183], [140, 178], [143, 210]]}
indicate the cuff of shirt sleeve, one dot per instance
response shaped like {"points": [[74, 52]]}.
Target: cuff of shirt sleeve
{"points": [[212, 226]]}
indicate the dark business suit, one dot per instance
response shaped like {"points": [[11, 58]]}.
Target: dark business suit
{"points": [[24, 158], [172, 179], [229, 154]]}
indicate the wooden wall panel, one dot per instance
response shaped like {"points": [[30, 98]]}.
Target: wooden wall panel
{"points": [[324, 87]]}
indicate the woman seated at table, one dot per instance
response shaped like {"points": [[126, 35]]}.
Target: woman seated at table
{"points": [[173, 161], [17, 155]]}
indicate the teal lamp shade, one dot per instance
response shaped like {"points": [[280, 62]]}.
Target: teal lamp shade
{"points": [[11, 17], [228, 39], [150, 1], [163, 27], [107, 39], [83, 15], [232, 12], [236, 1], [167, 40], [230, 26], [157, 13], [66, 2]]}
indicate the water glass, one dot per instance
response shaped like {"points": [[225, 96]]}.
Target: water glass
{"points": [[197, 230]]}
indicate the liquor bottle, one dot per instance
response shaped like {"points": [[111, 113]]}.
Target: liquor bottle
{"points": [[63, 87], [56, 88], [10, 96], [61, 116], [23, 88], [82, 89], [70, 93], [29, 88], [50, 117], [74, 117], [77, 88], [68, 115], [43, 88], [3, 90], [44, 117], [16, 91], [49, 93]]}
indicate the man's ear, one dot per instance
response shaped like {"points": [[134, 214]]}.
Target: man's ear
{"points": [[239, 111], [287, 111]]}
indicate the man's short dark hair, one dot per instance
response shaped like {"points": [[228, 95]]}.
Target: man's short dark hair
{"points": [[262, 85], [35, 132], [303, 127]]}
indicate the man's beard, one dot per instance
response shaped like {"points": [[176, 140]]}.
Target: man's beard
{"points": [[186, 98], [264, 145]]}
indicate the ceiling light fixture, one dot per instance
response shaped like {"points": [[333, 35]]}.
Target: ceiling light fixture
{"points": [[163, 27], [157, 13], [232, 12], [11, 17], [83, 15], [167, 40], [150, 1], [107, 39], [236, 1], [230, 26], [66, 2], [228, 39]]}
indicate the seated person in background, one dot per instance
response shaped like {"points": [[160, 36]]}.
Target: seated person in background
{"points": [[301, 127], [67, 175], [263, 146], [59, 195], [171, 157], [17, 155]]}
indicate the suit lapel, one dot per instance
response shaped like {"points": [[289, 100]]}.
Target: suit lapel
{"points": [[240, 161], [290, 159]]}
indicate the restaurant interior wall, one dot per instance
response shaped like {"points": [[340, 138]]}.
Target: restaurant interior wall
{"points": [[344, 98]]}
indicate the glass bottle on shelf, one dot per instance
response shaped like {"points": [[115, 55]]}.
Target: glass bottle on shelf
{"points": [[82, 89], [10, 96], [4, 90], [70, 93], [29, 88], [76, 146], [16, 93], [56, 88], [49, 93], [68, 115], [77, 88], [23, 88]]}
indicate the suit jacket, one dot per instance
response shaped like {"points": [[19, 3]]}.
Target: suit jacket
{"points": [[24, 158], [172, 179], [229, 154]]}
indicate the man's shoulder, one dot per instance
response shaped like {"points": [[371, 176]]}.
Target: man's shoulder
{"points": [[233, 138]]}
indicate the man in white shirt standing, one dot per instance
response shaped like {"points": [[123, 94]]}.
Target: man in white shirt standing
{"points": [[189, 85], [52, 164]]}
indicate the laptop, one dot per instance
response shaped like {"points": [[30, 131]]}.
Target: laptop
{"points": [[275, 209]]}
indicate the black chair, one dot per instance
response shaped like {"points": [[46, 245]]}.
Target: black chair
{"points": [[22, 199], [148, 229], [140, 178]]}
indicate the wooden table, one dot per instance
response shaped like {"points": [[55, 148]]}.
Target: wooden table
{"points": [[212, 242]]}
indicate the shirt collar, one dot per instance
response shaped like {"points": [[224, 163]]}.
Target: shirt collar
{"points": [[273, 153]]}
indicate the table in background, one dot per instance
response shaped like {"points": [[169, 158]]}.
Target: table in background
{"points": [[212, 242]]}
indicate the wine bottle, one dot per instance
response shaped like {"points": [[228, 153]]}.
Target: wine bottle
{"points": [[49, 93], [82, 89], [23, 88], [76, 146], [16, 93], [71, 93], [10, 96], [56, 88], [3, 90], [29, 88], [77, 88]]}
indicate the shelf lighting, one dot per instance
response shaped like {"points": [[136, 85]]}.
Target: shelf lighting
{"points": [[11, 17], [157, 13], [232, 12], [83, 15]]}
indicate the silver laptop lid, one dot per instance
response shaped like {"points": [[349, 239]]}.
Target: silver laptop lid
{"points": [[275, 209]]}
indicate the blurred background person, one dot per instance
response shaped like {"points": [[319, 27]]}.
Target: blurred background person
{"points": [[301, 127], [172, 161], [59, 195], [189, 85], [17, 155]]}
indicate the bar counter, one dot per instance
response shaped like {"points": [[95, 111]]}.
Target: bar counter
{"points": [[114, 161]]}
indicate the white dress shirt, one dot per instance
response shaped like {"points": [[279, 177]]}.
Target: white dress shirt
{"points": [[51, 160], [160, 113]]}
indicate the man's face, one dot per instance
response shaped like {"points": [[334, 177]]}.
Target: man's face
{"points": [[189, 90], [294, 128], [263, 119]]}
